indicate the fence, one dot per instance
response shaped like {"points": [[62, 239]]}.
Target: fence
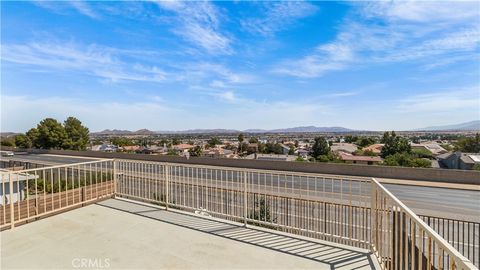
{"points": [[401, 240], [281, 200], [45, 191], [464, 236], [353, 211]]}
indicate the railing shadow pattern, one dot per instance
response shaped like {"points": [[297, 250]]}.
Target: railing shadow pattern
{"points": [[332, 255]]}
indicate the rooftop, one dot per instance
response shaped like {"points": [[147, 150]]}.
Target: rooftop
{"points": [[346, 156], [218, 217], [152, 238]]}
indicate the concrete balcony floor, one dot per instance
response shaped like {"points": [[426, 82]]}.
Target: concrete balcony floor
{"points": [[116, 234]]}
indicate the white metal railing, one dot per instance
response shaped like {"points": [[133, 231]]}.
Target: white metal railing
{"points": [[29, 194], [347, 210], [285, 201], [401, 240]]}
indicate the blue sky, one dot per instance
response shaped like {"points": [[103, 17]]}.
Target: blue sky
{"points": [[185, 65]]}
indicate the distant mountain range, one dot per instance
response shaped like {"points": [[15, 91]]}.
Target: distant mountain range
{"points": [[467, 126], [300, 130], [219, 131]]}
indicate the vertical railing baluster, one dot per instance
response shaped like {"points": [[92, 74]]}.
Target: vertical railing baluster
{"points": [[245, 211], [167, 176], [115, 180], [12, 212]]}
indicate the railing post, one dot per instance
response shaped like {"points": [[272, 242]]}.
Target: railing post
{"points": [[115, 178], [245, 211], [12, 212], [167, 176], [373, 209]]}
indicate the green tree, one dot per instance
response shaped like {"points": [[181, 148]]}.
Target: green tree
{"points": [[213, 141], [22, 141], [469, 145], [33, 135], [422, 153], [261, 210], [274, 148], [320, 147], [300, 159], [406, 160], [122, 141], [261, 147], [364, 141], [77, 134], [172, 152], [164, 142], [350, 139], [9, 142], [394, 144], [196, 151], [253, 140], [241, 146], [291, 150], [176, 141], [241, 137], [51, 134]]}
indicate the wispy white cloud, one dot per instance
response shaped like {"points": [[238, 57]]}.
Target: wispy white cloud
{"points": [[442, 101], [402, 36], [463, 41], [343, 94], [221, 75], [198, 23], [278, 16], [333, 56], [423, 11], [228, 95], [103, 62], [82, 7]]}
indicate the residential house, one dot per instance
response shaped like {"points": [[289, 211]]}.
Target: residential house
{"points": [[182, 148], [272, 157], [374, 148], [285, 149], [343, 147], [105, 148], [459, 160], [19, 181], [368, 160], [432, 147], [302, 153], [152, 150], [217, 152], [130, 148]]}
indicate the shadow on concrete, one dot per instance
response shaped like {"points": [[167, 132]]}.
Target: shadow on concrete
{"points": [[334, 255]]}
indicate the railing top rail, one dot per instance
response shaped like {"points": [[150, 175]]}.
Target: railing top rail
{"points": [[58, 166], [218, 167], [465, 263]]}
